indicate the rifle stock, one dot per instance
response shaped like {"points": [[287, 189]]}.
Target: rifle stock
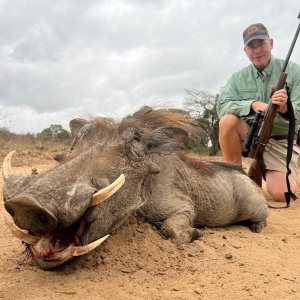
{"points": [[255, 172], [257, 168]]}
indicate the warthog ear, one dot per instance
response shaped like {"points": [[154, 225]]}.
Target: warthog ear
{"points": [[166, 140], [76, 125]]}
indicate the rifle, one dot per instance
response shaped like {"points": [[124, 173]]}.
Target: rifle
{"points": [[255, 145]]}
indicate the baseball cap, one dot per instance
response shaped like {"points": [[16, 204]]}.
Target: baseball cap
{"points": [[256, 31]]}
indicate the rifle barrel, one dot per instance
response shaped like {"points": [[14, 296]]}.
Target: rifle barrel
{"points": [[292, 47]]}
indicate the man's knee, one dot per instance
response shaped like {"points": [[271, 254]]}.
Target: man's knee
{"points": [[277, 196], [277, 187], [232, 124], [228, 121]]}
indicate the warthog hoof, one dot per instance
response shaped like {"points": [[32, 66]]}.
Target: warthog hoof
{"points": [[256, 227], [187, 236]]}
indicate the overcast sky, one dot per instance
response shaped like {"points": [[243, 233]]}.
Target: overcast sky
{"points": [[61, 59]]}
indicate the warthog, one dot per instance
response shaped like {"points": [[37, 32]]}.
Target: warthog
{"points": [[71, 209]]}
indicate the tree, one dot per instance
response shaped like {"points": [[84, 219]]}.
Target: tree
{"points": [[202, 106], [55, 131]]}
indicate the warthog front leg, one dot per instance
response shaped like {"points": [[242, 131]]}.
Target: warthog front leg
{"points": [[257, 227], [179, 230]]}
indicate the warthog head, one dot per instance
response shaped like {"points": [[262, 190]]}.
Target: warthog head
{"points": [[71, 209]]}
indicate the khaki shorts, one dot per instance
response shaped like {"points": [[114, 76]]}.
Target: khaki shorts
{"points": [[275, 157]]}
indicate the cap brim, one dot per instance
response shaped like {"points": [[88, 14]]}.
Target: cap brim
{"points": [[256, 37]]}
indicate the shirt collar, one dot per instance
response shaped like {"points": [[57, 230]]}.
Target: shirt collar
{"points": [[266, 71]]}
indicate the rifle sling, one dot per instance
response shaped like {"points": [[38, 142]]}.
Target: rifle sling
{"points": [[291, 116]]}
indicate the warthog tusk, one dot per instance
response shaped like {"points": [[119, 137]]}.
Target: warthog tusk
{"points": [[20, 234], [6, 166], [108, 191], [80, 250]]}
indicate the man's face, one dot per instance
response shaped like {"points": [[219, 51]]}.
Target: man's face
{"points": [[259, 52]]}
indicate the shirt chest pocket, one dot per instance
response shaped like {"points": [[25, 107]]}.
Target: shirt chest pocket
{"points": [[249, 94]]}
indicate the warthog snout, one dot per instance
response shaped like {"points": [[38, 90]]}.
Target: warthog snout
{"points": [[28, 214]]}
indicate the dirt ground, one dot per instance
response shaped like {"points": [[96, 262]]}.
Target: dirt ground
{"points": [[137, 263]]}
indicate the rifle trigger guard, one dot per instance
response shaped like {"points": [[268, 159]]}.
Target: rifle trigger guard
{"points": [[267, 147]]}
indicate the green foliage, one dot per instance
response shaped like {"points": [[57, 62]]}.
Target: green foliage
{"points": [[202, 106], [199, 149], [55, 132]]}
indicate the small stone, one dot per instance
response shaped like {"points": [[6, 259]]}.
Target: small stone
{"points": [[228, 256]]}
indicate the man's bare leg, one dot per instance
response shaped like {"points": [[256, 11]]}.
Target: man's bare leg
{"points": [[276, 184], [231, 132], [232, 129]]}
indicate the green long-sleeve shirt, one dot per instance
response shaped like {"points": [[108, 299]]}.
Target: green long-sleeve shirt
{"points": [[248, 85]]}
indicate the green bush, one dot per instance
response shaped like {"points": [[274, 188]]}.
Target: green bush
{"points": [[54, 132]]}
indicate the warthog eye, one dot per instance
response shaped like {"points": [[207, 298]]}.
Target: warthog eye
{"points": [[149, 146]]}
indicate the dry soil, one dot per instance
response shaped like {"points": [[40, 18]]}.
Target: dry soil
{"points": [[137, 263]]}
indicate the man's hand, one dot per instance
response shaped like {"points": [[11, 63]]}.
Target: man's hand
{"points": [[257, 105], [280, 98]]}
